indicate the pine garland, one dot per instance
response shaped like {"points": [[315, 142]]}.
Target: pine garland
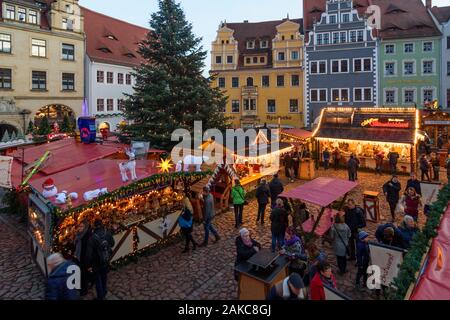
{"points": [[420, 246]]}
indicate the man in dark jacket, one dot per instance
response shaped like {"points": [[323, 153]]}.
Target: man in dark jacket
{"points": [[355, 219], [436, 165], [276, 188], [393, 160], [289, 167], [209, 213], [326, 159], [263, 196], [391, 190], [390, 235], [291, 288], [58, 286], [362, 258], [414, 183], [424, 167], [99, 254], [279, 218], [352, 167]]}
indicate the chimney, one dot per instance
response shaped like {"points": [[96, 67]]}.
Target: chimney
{"points": [[429, 3]]}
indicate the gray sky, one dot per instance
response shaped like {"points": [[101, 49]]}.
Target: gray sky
{"points": [[206, 15]]}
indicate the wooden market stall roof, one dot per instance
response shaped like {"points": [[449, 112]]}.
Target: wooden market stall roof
{"points": [[434, 282], [297, 133], [321, 191], [393, 125]]}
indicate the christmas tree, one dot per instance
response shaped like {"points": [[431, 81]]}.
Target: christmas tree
{"points": [[31, 128], [44, 127], [170, 90], [66, 126]]}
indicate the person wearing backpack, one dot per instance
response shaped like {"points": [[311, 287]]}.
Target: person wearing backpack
{"points": [[238, 196], [355, 220], [99, 254], [340, 235]]}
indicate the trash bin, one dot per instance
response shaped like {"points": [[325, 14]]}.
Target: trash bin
{"points": [[87, 128]]}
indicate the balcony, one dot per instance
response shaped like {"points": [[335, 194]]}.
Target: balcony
{"points": [[250, 91], [249, 114]]}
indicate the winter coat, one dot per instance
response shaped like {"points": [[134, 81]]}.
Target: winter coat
{"points": [[263, 194], [92, 256], [312, 264], [414, 184], [355, 218], [424, 164], [299, 216], [435, 163], [340, 244], [317, 290], [392, 190], [362, 254], [279, 218], [379, 160], [57, 284], [209, 210], [244, 252], [407, 234], [336, 155], [276, 188], [393, 158], [397, 241], [185, 220], [238, 194], [281, 291], [412, 205], [326, 156], [288, 162], [352, 165], [296, 254]]}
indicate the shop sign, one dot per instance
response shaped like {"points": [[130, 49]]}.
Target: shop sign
{"points": [[280, 117], [385, 123], [431, 122]]}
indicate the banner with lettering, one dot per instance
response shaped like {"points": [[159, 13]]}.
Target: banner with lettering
{"points": [[5, 172], [429, 192], [388, 259]]}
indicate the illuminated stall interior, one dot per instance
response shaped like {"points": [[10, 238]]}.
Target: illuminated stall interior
{"points": [[366, 132]]}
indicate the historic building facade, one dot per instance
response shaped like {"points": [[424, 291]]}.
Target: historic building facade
{"points": [[111, 55], [41, 62], [341, 57], [259, 66]]}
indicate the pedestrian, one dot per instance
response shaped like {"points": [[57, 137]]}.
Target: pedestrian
{"points": [[289, 167], [279, 219], [326, 159], [208, 215], [290, 288], [413, 182], [352, 168], [246, 247], [296, 164], [99, 255], [436, 165], [80, 254], [390, 235], [411, 202], [447, 165], [238, 196], [324, 276], [362, 259], [440, 142], [58, 279], [424, 167], [299, 214], [294, 250], [408, 229], [316, 257], [186, 223], [391, 190], [263, 196], [340, 235], [379, 157], [276, 188], [358, 165], [393, 160], [355, 220], [336, 158]]}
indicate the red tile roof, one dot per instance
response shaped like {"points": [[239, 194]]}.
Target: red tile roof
{"points": [[442, 14], [98, 27]]}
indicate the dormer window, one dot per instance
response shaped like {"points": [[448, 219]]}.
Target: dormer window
{"points": [[251, 44], [22, 14], [105, 50], [111, 37], [264, 44], [130, 55]]}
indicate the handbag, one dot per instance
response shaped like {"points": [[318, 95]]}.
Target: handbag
{"points": [[347, 249]]}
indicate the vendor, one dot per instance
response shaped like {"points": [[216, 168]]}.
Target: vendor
{"points": [[246, 247]]}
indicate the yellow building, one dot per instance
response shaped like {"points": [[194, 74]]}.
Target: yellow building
{"points": [[41, 62], [259, 66]]}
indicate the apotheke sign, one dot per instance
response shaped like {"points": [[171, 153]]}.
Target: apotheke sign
{"points": [[385, 123]]}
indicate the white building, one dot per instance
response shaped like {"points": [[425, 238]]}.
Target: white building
{"points": [[111, 55]]}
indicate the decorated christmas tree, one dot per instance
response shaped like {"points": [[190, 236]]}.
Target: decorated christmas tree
{"points": [[66, 126], [170, 91], [44, 127]]}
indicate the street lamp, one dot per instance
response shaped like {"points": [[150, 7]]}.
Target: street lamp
{"points": [[24, 113]]}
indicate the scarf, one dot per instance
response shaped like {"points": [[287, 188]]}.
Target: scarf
{"points": [[248, 243], [291, 241]]}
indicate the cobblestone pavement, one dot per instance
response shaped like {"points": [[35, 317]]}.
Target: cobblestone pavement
{"points": [[206, 273]]}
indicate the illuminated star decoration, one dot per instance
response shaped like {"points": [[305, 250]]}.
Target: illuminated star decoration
{"points": [[165, 165]]}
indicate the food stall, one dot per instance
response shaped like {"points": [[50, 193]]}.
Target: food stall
{"points": [[142, 214], [366, 132], [436, 124]]}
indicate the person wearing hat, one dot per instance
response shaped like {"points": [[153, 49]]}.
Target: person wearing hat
{"points": [[362, 258], [291, 288], [50, 189], [324, 276], [208, 215], [246, 247], [390, 235]]}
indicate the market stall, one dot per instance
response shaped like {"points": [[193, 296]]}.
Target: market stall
{"points": [[366, 132], [436, 124], [141, 213]]}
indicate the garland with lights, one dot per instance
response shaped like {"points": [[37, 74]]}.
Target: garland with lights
{"points": [[420, 246]]}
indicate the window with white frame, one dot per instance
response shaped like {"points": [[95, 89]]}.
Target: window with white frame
{"points": [[353, 35], [120, 104], [265, 81], [326, 38], [281, 56], [428, 95], [229, 59], [5, 78], [335, 37], [120, 78], [339, 66], [319, 39], [389, 68], [294, 55], [235, 82], [345, 17], [100, 105], [293, 105], [250, 44], [264, 44], [409, 96], [271, 106], [332, 19], [68, 52], [389, 49], [68, 82], [343, 36], [362, 65], [428, 67], [32, 17], [295, 80], [10, 12], [362, 94], [428, 46], [389, 96], [218, 59], [338, 95], [128, 79], [408, 68], [38, 48], [109, 104], [39, 80], [249, 104], [318, 95], [110, 77], [235, 106], [221, 81], [22, 14], [318, 67], [5, 43], [100, 76], [360, 35], [409, 47]]}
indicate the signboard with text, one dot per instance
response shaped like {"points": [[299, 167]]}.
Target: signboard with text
{"points": [[388, 259]]}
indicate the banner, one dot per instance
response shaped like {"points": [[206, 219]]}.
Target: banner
{"points": [[429, 192], [5, 172], [333, 294], [388, 259]]}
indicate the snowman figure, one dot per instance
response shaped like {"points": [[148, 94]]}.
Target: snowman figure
{"points": [[50, 189]]}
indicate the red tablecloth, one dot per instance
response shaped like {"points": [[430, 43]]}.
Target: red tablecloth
{"points": [[325, 223]]}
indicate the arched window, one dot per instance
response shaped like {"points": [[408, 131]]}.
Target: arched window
{"points": [[249, 82]]}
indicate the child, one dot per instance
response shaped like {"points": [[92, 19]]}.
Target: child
{"points": [[362, 258]]}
